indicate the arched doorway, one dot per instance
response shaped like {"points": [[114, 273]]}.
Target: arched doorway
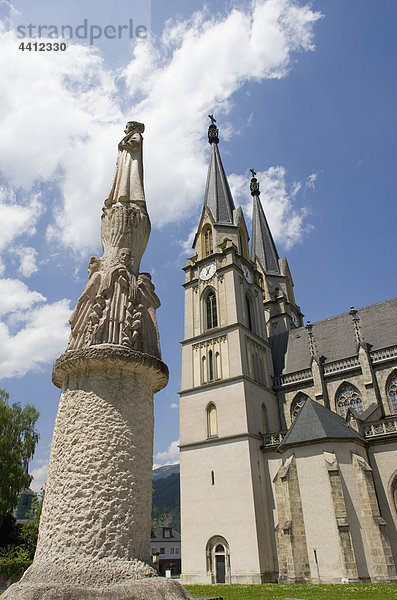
{"points": [[220, 564], [218, 560]]}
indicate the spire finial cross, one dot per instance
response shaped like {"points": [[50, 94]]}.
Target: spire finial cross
{"points": [[254, 184], [213, 120]]}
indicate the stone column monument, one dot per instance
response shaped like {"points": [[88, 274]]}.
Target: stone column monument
{"points": [[94, 538]]}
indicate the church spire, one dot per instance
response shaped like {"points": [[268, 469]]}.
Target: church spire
{"points": [[263, 248], [218, 198]]}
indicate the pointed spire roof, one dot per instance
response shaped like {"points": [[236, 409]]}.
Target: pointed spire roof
{"points": [[314, 423], [218, 198], [263, 247]]}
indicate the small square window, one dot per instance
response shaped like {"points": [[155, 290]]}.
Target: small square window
{"points": [[177, 550], [172, 550], [162, 551]]}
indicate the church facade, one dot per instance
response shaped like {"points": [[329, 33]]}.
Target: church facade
{"points": [[288, 433]]}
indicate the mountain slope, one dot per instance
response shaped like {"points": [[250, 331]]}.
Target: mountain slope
{"points": [[166, 485]]}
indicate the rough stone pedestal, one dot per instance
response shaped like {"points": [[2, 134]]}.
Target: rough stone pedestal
{"points": [[94, 539]]}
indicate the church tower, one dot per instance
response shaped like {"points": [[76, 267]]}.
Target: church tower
{"points": [[281, 311], [226, 396]]}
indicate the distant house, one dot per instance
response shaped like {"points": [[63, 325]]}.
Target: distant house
{"points": [[25, 500], [165, 546]]}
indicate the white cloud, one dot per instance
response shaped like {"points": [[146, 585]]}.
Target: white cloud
{"points": [[34, 335], [207, 65], [186, 244], [69, 137], [174, 405], [27, 257], [296, 188], [40, 475], [286, 221], [71, 118], [170, 456], [311, 181], [17, 216], [15, 296]]}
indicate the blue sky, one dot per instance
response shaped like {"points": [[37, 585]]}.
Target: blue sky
{"points": [[305, 93]]}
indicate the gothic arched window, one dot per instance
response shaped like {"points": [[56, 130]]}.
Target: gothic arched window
{"points": [[210, 310], [211, 366], [212, 421], [348, 396], [250, 314], [218, 369], [392, 391], [297, 405], [208, 244], [203, 370]]}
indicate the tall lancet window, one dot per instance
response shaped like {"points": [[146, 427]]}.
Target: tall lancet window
{"points": [[210, 310], [297, 405], [208, 245], [250, 314], [210, 366], [348, 396], [392, 391], [212, 421]]}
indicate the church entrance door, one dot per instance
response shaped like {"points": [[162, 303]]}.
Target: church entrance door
{"points": [[220, 561]]}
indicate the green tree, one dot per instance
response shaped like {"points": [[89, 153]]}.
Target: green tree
{"points": [[14, 561], [30, 529], [18, 439]]}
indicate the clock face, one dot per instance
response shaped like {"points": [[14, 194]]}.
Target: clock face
{"points": [[247, 274], [295, 319], [208, 271]]}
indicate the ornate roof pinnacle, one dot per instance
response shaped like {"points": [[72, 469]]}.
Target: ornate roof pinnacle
{"points": [[213, 131], [356, 323], [254, 185]]}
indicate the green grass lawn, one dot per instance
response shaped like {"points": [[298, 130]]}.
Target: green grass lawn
{"points": [[270, 591]]}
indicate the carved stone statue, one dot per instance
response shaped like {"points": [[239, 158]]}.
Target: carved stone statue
{"points": [[82, 313], [94, 537], [118, 306], [125, 221], [119, 292], [127, 183]]}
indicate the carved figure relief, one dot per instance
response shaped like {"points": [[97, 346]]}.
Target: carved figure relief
{"points": [[118, 305]]}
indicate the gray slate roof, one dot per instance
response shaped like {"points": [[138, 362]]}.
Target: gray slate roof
{"points": [[157, 534], [218, 198], [334, 337], [262, 245], [315, 422]]}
